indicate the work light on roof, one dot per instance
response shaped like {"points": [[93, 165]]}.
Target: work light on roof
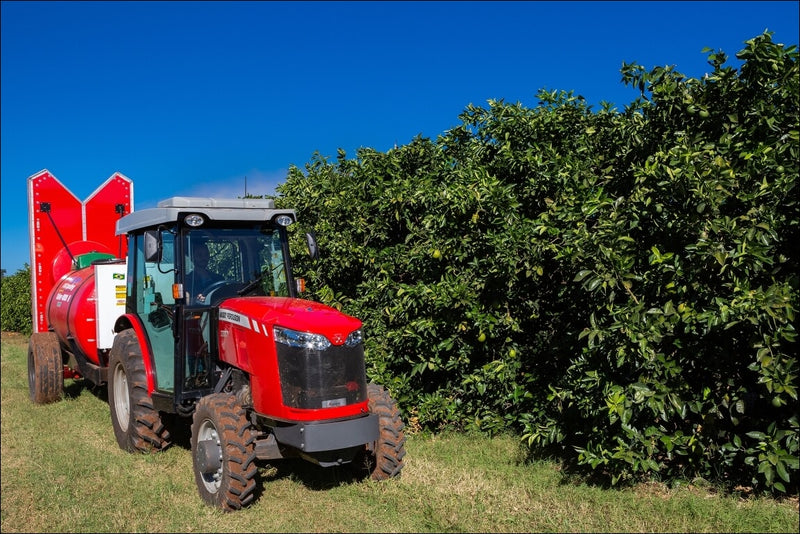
{"points": [[194, 219], [283, 220]]}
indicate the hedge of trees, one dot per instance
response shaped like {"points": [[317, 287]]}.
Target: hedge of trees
{"points": [[618, 287], [15, 301]]}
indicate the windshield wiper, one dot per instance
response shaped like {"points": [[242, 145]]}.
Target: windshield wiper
{"points": [[254, 283]]}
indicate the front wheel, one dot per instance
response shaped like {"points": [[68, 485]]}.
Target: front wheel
{"points": [[383, 459], [137, 425], [223, 452], [45, 368]]}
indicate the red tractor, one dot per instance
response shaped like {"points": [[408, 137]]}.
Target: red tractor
{"points": [[201, 320]]}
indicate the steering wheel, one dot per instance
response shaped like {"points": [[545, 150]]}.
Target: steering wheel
{"points": [[219, 291], [211, 289]]}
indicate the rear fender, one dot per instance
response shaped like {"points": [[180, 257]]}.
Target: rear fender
{"points": [[130, 320]]}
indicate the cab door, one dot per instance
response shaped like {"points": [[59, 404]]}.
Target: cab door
{"points": [[198, 326], [154, 275]]}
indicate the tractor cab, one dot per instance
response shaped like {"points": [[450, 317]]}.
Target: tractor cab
{"points": [[186, 257]]}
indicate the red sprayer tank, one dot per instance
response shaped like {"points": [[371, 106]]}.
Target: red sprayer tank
{"points": [[71, 311], [81, 316]]}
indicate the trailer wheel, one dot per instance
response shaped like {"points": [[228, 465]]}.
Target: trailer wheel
{"points": [[45, 368], [223, 452], [383, 458], [137, 425]]}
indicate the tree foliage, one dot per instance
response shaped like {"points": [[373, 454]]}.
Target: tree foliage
{"points": [[15, 302], [618, 287]]}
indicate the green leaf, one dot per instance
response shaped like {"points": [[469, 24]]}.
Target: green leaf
{"points": [[780, 468]]}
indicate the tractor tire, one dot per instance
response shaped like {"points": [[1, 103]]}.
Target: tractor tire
{"points": [[45, 368], [223, 452], [137, 425], [383, 459]]}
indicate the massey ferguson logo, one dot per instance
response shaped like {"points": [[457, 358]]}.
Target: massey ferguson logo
{"points": [[338, 339], [231, 316]]}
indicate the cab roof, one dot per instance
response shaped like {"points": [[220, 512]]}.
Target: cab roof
{"points": [[214, 209]]}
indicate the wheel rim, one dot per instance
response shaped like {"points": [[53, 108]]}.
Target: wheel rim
{"points": [[121, 398], [213, 480]]}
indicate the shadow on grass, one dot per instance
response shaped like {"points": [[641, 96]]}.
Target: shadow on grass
{"points": [[296, 469], [74, 388], [310, 475]]}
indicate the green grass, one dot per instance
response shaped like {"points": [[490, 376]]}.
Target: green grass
{"points": [[62, 471]]}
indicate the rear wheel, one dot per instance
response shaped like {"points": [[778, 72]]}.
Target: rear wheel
{"points": [[137, 425], [383, 459], [223, 452], [45, 368]]}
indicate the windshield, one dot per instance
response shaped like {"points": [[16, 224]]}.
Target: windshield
{"points": [[243, 260]]}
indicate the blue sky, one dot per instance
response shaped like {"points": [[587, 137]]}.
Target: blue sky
{"points": [[189, 98]]}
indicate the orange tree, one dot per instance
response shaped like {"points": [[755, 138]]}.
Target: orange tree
{"points": [[617, 287]]}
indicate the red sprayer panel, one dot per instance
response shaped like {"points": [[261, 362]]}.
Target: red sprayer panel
{"points": [[62, 227], [47, 198], [102, 208]]}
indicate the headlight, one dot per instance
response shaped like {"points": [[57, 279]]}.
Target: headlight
{"points": [[354, 338], [303, 340]]}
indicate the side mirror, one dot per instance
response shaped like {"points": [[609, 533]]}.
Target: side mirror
{"points": [[152, 246], [313, 249]]}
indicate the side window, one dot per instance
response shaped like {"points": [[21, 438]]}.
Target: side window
{"points": [[161, 275], [272, 264], [153, 280]]}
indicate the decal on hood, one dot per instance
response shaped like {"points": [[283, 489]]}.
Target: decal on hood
{"points": [[230, 316]]}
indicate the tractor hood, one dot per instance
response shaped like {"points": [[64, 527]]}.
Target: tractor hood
{"points": [[296, 314]]}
